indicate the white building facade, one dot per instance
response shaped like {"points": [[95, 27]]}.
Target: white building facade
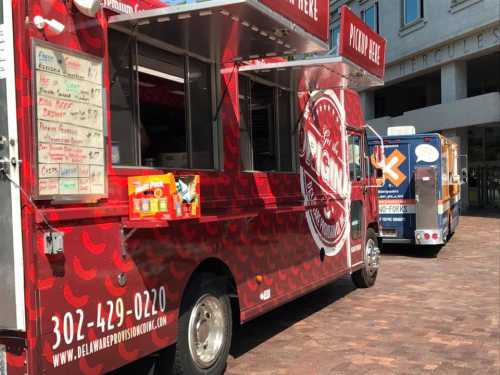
{"points": [[442, 75]]}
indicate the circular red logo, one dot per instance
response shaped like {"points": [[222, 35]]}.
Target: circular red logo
{"points": [[323, 170]]}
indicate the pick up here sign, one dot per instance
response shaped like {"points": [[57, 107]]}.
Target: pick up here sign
{"points": [[311, 15], [359, 43]]}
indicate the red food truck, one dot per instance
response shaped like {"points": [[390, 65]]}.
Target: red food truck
{"points": [[165, 173]]}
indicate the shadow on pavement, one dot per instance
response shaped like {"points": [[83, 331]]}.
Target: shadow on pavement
{"points": [[411, 250], [254, 333]]}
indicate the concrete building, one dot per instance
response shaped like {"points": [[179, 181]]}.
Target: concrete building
{"points": [[442, 75]]}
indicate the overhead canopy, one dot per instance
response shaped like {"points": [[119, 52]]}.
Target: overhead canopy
{"points": [[314, 74], [222, 30]]}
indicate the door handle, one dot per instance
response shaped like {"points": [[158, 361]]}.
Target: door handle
{"points": [[6, 164]]}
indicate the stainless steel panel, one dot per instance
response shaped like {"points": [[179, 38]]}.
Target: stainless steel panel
{"points": [[12, 304], [426, 197], [224, 30], [315, 74], [7, 279], [3, 360]]}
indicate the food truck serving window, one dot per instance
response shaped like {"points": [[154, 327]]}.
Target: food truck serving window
{"points": [[266, 136], [161, 106]]}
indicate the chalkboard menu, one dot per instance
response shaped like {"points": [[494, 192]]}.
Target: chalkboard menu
{"points": [[70, 124]]}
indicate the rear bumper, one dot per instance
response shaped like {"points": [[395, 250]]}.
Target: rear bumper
{"points": [[429, 237], [392, 240]]}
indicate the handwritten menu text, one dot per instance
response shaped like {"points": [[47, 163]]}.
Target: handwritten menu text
{"points": [[70, 126]]}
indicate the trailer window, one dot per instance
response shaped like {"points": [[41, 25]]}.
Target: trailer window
{"points": [[355, 157], [266, 136], [161, 107]]}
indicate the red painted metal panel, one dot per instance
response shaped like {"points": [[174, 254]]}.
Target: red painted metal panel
{"points": [[359, 43], [256, 223], [312, 15]]}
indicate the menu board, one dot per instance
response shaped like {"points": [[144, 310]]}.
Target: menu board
{"points": [[70, 126]]}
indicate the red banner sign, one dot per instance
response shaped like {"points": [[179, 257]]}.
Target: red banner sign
{"points": [[131, 6], [311, 15], [359, 43]]}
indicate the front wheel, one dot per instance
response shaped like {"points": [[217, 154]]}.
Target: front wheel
{"points": [[204, 330], [366, 276]]}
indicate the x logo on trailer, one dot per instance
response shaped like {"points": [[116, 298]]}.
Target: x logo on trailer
{"points": [[391, 168]]}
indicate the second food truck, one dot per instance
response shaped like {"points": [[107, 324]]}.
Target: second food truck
{"points": [[419, 201], [155, 187]]}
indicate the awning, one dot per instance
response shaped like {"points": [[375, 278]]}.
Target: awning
{"points": [[314, 74], [222, 30]]}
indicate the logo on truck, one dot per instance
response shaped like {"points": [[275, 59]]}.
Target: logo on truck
{"points": [[391, 167], [323, 170]]}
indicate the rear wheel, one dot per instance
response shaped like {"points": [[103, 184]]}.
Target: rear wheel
{"points": [[204, 330], [366, 276]]}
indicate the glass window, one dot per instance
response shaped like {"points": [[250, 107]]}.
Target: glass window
{"points": [[151, 97], [200, 94], [285, 131], [162, 108], [263, 128], [412, 10], [369, 170], [370, 16], [475, 144], [355, 157], [492, 140], [335, 31], [266, 135], [356, 218], [122, 100]]}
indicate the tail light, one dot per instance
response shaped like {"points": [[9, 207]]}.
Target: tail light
{"points": [[435, 236], [427, 236]]}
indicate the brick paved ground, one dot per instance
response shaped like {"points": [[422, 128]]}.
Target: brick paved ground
{"points": [[436, 315]]}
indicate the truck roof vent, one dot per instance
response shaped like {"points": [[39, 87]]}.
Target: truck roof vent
{"points": [[400, 130]]}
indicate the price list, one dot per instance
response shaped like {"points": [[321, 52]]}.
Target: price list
{"points": [[70, 124]]}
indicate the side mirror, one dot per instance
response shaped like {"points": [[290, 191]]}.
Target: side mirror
{"points": [[377, 161], [377, 155], [379, 177], [464, 176]]}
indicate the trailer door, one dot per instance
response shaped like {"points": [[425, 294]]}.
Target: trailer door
{"points": [[12, 316], [397, 196]]}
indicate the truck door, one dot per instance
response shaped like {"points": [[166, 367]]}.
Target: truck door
{"points": [[357, 196], [11, 256]]}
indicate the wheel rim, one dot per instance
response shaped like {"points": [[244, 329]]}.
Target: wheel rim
{"points": [[206, 330], [372, 257]]}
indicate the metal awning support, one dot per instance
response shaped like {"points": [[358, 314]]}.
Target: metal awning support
{"points": [[314, 74], [221, 30]]}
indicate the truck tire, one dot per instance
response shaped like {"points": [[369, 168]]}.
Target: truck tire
{"points": [[366, 276], [204, 329]]}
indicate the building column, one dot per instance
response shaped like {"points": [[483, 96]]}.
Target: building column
{"points": [[453, 81], [368, 104], [462, 134]]}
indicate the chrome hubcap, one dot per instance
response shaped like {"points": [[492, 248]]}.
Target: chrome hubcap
{"points": [[206, 330], [372, 257]]}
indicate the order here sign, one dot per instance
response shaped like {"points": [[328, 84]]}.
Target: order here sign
{"points": [[359, 43], [311, 15]]}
